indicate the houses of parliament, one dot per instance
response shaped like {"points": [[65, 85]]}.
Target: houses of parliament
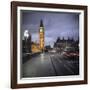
{"points": [[34, 47], [39, 47]]}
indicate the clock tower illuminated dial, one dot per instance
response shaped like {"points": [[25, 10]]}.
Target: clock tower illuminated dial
{"points": [[41, 30]]}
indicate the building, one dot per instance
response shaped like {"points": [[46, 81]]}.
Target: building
{"points": [[39, 47], [35, 47], [61, 44], [41, 34]]}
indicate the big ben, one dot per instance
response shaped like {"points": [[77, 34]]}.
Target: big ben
{"points": [[41, 34]]}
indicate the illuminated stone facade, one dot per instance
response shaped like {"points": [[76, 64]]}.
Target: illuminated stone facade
{"points": [[35, 47]]}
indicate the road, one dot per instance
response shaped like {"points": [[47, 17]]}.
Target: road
{"points": [[46, 64]]}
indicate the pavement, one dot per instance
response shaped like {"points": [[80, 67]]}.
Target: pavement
{"points": [[46, 64]]}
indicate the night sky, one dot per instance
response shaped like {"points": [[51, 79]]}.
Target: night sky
{"points": [[55, 24]]}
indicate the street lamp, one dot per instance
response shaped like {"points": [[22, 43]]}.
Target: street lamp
{"points": [[26, 36]]}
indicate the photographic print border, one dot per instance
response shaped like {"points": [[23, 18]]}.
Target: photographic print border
{"points": [[14, 38]]}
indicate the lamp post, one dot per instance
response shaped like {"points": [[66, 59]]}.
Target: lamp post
{"points": [[26, 36]]}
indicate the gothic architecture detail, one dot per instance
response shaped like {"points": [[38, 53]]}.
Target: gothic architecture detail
{"points": [[41, 34]]}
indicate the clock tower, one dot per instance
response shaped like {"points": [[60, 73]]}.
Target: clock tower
{"points": [[41, 35]]}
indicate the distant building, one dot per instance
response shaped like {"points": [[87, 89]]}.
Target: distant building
{"points": [[60, 44]]}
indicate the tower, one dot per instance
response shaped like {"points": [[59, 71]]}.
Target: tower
{"points": [[41, 34]]}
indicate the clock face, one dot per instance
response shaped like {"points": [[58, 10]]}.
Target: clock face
{"points": [[41, 30]]}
